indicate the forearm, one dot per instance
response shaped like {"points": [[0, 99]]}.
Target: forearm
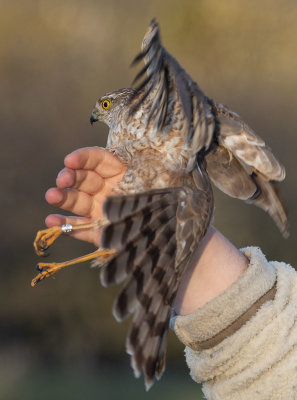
{"points": [[241, 341], [215, 265]]}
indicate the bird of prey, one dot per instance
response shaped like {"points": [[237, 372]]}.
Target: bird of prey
{"points": [[174, 140]]}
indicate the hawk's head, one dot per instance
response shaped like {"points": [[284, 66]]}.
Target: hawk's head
{"points": [[108, 107]]}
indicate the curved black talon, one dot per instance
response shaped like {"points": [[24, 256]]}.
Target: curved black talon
{"points": [[42, 253], [42, 250], [38, 268], [42, 247], [42, 269]]}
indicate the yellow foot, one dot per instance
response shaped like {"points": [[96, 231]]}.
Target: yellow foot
{"points": [[48, 269], [45, 238], [45, 271]]}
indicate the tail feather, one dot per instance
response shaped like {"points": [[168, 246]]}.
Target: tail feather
{"points": [[268, 198]]}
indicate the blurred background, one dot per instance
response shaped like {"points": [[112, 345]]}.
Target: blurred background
{"points": [[59, 340]]}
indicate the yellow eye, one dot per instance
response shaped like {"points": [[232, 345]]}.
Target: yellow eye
{"points": [[105, 104]]}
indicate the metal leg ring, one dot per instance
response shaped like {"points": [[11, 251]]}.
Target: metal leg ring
{"points": [[66, 228]]}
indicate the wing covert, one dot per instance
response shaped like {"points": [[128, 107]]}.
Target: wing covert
{"points": [[244, 144]]}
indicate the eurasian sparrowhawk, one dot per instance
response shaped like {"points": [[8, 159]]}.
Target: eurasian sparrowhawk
{"points": [[172, 138]]}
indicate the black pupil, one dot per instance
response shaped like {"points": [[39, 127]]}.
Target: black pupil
{"points": [[105, 104]]}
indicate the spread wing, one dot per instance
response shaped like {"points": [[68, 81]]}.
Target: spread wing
{"points": [[155, 233], [163, 85], [242, 166], [244, 144]]}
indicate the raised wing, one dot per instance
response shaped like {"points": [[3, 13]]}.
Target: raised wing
{"points": [[155, 233], [244, 144], [242, 166], [163, 82]]}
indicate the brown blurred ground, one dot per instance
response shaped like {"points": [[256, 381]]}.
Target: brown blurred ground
{"points": [[56, 58]]}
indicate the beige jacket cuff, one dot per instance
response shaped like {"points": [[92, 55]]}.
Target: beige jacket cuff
{"points": [[222, 316], [258, 360]]}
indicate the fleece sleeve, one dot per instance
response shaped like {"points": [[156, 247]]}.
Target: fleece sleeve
{"points": [[243, 344]]}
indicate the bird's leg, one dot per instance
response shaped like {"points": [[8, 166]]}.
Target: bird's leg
{"points": [[45, 238], [48, 269]]}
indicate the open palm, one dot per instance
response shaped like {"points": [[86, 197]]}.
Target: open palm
{"points": [[90, 174]]}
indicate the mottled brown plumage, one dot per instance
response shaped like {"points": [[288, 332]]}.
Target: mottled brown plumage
{"points": [[169, 134], [172, 138], [242, 166], [165, 206]]}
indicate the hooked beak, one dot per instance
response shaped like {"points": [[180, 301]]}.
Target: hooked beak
{"points": [[93, 118]]}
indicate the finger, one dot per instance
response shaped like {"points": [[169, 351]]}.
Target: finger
{"points": [[66, 178], [72, 200], [54, 196], [97, 159], [58, 219], [87, 181], [87, 235]]}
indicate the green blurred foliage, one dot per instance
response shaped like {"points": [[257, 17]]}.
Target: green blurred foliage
{"points": [[57, 58], [105, 382]]}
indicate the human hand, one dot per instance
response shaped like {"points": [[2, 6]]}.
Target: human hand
{"points": [[90, 174]]}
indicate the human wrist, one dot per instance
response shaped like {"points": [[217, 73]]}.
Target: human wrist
{"points": [[215, 265]]}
